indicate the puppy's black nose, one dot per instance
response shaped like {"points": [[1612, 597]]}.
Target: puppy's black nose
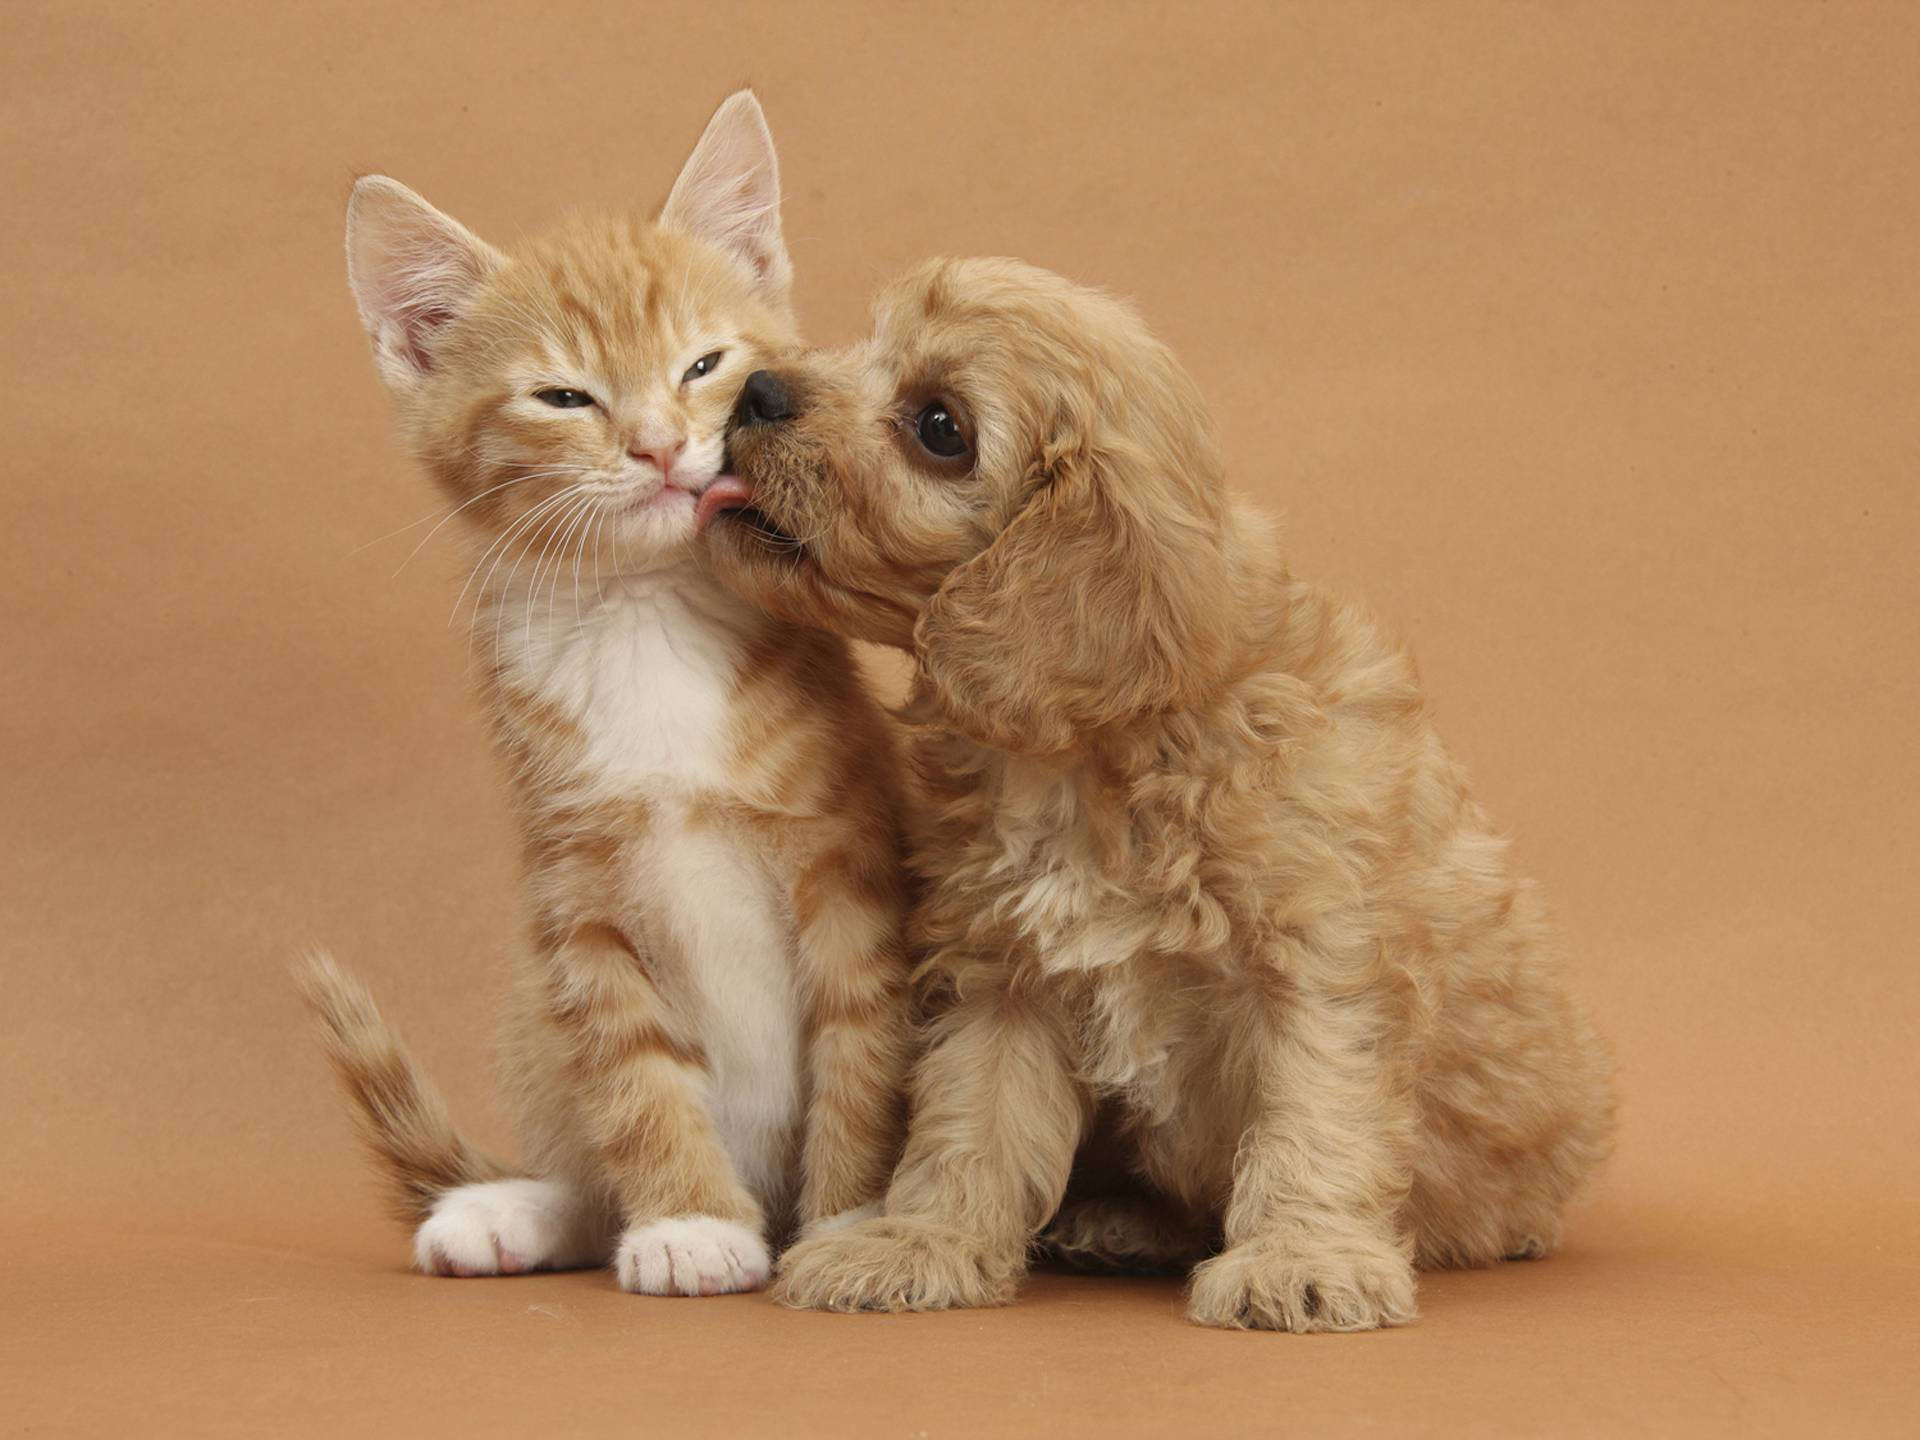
{"points": [[763, 400]]}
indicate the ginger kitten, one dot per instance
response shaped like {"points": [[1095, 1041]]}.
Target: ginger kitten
{"points": [[707, 1032]]}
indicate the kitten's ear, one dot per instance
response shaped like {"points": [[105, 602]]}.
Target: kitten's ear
{"points": [[728, 193], [413, 271]]}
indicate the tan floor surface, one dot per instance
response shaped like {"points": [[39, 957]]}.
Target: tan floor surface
{"points": [[1582, 341], [171, 1334]]}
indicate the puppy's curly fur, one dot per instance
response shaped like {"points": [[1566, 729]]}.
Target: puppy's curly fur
{"points": [[1202, 888]]}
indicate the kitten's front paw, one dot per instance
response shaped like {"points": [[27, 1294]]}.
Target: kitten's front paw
{"points": [[508, 1227], [896, 1264], [691, 1255], [1346, 1284]]}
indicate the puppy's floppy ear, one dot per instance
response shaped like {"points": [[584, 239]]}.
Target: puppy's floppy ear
{"points": [[1105, 598], [728, 194], [413, 271]]}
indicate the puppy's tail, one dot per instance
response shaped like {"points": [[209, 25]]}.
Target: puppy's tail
{"points": [[401, 1117]]}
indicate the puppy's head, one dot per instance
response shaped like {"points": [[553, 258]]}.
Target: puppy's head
{"points": [[1012, 478]]}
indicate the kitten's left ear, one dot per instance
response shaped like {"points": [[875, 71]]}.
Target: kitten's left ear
{"points": [[728, 193]]}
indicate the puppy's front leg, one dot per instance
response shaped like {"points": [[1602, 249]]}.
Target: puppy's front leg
{"points": [[1312, 1231], [996, 1117]]}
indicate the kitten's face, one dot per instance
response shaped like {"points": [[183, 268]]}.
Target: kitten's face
{"points": [[580, 404], [572, 396]]}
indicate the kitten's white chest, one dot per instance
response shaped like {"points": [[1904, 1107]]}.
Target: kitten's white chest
{"points": [[647, 678], [647, 675], [719, 903]]}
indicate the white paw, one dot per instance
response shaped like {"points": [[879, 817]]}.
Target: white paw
{"points": [[691, 1255], [507, 1227], [827, 1224]]}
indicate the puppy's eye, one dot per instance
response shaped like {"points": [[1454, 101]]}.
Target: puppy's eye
{"points": [[939, 432], [705, 365], [564, 399]]}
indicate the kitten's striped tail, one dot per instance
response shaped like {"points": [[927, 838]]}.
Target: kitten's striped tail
{"points": [[400, 1115]]}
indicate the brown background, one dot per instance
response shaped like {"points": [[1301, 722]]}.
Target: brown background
{"points": [[1581, 340]]}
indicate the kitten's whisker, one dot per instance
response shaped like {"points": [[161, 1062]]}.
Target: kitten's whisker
{"points": [[579, 554], [599, 529], [472, 574], [442, 515], [382, 539], [500, 544], [517, 480], [506, 586], [548, 530], [515, 538], [549, 546], [557, 546], [461, 598], [519, 530], [504, 539], [572, 539]]}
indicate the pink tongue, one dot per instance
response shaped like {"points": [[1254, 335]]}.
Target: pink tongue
{"points": [[727, 492]]}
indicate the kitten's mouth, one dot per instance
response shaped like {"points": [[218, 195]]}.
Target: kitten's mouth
{"points": [[732, 497]]}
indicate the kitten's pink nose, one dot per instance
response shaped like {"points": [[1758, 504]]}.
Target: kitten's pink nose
{"points": [[662, 456]]}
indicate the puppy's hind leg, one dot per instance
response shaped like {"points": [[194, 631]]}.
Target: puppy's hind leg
{"points": [[1511, 1134], [1122, 1235], [1111, 1223]]}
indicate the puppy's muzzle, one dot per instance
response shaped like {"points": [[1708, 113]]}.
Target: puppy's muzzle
{"points": [[764, 400]]}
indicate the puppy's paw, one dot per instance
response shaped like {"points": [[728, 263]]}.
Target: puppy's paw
{"points": [[1122, 1235], [691, 1255], [1536, 1241], [1326, 1284], [508, 1227], [827, 1224], [895, 1264]]}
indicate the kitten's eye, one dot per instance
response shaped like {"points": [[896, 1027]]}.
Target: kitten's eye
{"points": [[564, 399], [939, 432], [705, 365]]}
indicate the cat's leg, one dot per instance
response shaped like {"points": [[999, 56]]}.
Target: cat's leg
{"points": [[1313, 1236], [996, 1115], [854, 971], [511, 1227], [691, 1227]]}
